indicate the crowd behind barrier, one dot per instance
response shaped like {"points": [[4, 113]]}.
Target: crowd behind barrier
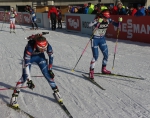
{"points": [[118, 9], [131, 28]]}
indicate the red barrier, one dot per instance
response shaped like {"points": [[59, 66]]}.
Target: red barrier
{"points": [[21, 18], [132, 28]]}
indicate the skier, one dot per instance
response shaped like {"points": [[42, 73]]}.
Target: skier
{"points": [[98, 40], [34, 52], [12, 14], [52, 14], [33, 17]]}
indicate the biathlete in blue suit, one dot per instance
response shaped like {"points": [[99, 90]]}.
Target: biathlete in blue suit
{"points": [[34, 53], [98, 40], [33, 17]]}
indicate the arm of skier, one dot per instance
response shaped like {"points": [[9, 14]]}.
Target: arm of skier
{"points": [[93, 23], [50, 55], [116, 24]]}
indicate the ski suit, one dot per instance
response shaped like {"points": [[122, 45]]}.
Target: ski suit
{"points": [[32, 55], [12, 14], [33, 19], [98, 40]]}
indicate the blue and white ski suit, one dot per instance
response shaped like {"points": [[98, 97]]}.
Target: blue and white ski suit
{"points": [[32, 55], [98, 40]]}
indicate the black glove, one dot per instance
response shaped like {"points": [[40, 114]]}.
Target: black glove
{"points": [[51, 73], [30, 84]]}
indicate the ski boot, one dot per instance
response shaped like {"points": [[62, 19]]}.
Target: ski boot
{"points": [[105, 71], [10, 31], [57, 95], [13, 101], [91, 74], [14, 31], [36, 28]]}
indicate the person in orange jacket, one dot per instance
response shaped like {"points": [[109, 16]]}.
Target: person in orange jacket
{"points": [[52, 15]]}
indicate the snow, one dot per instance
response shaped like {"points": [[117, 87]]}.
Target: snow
{"points": [[123, 97]]}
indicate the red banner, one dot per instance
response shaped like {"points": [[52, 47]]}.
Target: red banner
{"points": [[73, 23], [132, 28], [21, 18]]}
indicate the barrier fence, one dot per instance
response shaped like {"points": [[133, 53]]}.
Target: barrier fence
{"points": [[132, 28]]}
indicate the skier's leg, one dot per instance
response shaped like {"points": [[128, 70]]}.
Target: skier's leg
{"points": [[44, 69], [94, 47], [103, 47], [21, 81], [11, 24]]}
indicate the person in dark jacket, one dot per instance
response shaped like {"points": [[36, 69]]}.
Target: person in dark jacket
{"points": [[140, 11], [95, 10], [59, 18], [121, 10], [52, 14]]}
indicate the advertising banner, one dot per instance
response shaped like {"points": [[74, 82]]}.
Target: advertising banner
{"points": [[132, 28], [46, 22], [73, 22], [39, 19], [85, 20], [21, 18]]}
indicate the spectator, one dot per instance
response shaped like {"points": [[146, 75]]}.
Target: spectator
{"points": [[75, 9], [121, 10], [127, 10], [103, 7], [86, 9], [113, 10], [95, 10], [132, 11], [148, 11], [69, 9], [52, 14], [91, 8], [59, 18], [140, 11]]}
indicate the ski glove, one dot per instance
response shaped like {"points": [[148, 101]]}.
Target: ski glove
{"points": [[120, 19], [100, 20], [30, 84], [51, 73]]}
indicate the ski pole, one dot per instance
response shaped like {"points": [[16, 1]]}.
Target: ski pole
{"points": [[82, 53], [12, 88], [118, 29], [85, 47]]}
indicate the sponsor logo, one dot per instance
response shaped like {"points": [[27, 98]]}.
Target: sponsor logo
{"points": [[85, 24], [26, 18], [132, 28], [103, 26], [38, 20], [73, 23]]}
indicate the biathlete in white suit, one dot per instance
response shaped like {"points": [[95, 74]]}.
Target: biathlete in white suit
{"points": [[13, 15], [98, 40]]}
